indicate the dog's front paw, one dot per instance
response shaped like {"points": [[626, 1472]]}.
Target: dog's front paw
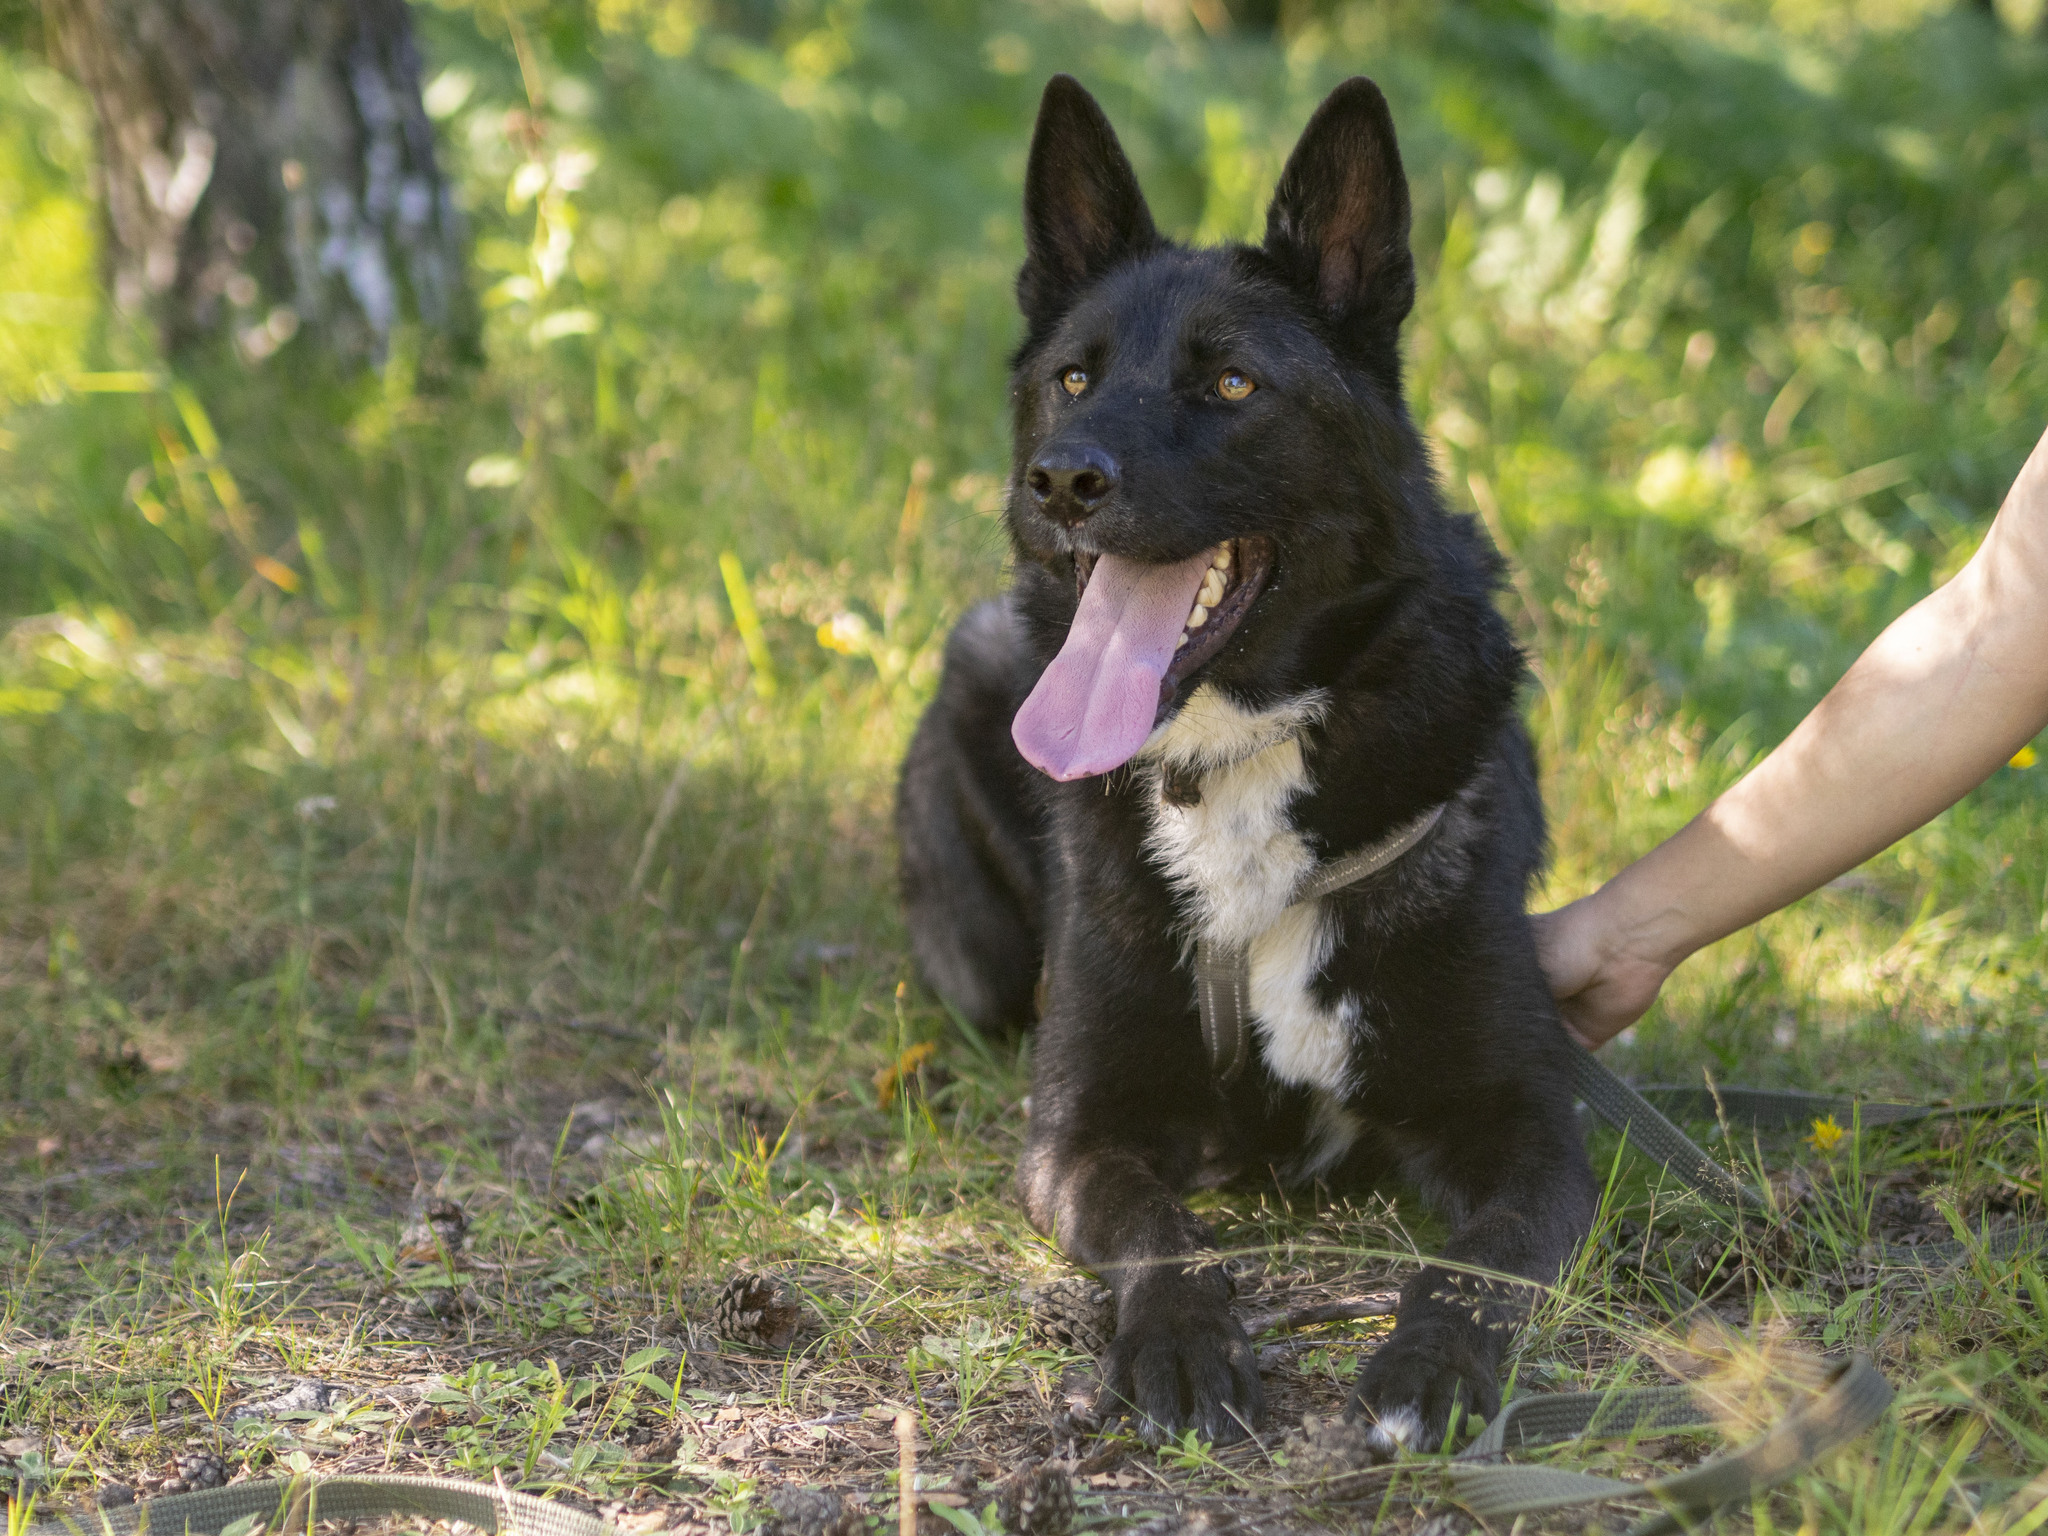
{"points": [[1181, 1365], [1409, 1390]]}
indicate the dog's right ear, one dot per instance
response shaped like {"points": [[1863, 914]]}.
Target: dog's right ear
{"points": [[1083, 212]]}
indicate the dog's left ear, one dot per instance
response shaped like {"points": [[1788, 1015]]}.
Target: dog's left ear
{"points": [[1339, 220]]}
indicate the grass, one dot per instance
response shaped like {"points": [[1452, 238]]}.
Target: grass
{"points": [[477, 788]]}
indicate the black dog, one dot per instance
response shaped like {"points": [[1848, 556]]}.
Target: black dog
{"points": [[1246, 638]]}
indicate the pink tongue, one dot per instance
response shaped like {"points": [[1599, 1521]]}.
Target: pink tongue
{"points": [[1094, 706]]}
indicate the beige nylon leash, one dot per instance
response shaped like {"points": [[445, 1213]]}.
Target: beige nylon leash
{"points": [[278, 1505], [1855, 1398]]}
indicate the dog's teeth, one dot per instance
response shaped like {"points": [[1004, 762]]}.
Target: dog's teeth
{"points": [[1212, 588], [1182, 643], [1222, 559], [1198, 618]]}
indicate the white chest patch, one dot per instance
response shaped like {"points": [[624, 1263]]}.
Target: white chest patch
{"points": [[1237, 859]]}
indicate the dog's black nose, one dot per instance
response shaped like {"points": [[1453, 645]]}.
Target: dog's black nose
{"points": [[1071, 482]]}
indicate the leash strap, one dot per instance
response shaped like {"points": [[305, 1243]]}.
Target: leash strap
{"points": [[278, 1505], [1223, 988], [1370, 860], [1854, 1399], [1770, 1109], [1223, 972], [1651, 1134], [1783, 1109]]}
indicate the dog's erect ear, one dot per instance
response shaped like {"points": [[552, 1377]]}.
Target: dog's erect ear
{"points": [[1083, 212], [1339, 219]]}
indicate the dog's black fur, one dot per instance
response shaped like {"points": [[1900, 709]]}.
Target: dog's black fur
{"points": [[1379, 603]]}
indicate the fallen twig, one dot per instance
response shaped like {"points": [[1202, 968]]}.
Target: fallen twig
{"points": [[906, 1474], [1288, 1319]]}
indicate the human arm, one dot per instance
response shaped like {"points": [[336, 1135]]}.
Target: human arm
{"points": [[1948, 693]]}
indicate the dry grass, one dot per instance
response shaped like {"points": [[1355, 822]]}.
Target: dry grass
{"points": [[561, 1336]]}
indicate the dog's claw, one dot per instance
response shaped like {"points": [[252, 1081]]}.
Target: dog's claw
{"points": [[1183, 1372]]}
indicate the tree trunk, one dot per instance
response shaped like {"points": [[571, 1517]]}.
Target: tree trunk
{"points": [[266, 166]]}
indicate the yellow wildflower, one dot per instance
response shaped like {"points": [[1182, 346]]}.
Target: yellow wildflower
{"points": [[903, 1066], [2026, 757], [1826, 1136], [846, 633]]}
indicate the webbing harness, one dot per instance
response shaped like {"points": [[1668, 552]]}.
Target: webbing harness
{"points": [[1223, 972]]}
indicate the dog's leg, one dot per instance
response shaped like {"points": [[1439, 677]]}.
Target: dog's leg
{"points": [[1122, 1109], [1513, 1174], [968, 823], [1180, 1359]]}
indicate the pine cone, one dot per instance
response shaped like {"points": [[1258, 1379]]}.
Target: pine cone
{"points": [[758, 1311], [433, 1227], [443, 1304], [200, 1469], [811, 1512], [1037, 1500], [1072, 1313], [1197, 1522], [1328, 1448]]}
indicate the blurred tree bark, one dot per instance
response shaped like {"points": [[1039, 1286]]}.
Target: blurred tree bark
{"points": [[267, 166]]}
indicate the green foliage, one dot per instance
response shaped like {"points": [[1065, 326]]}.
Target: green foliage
{"points": [[325, 695], [48, 302], [373, 739]]}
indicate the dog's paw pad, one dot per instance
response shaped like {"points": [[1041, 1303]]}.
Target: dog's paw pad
{"points": [[1185, 1371]]}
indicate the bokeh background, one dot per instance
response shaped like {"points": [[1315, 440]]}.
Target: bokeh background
{"points": [[483, 491], [434, 698]]}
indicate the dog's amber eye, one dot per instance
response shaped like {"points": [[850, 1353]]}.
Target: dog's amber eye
{"points": [[1074, 380], [1234, 385]]}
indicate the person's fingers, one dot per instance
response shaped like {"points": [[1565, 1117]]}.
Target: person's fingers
{"points": [[1593, 1029], [1600, 984], [1620, 995], [1569, 959]]}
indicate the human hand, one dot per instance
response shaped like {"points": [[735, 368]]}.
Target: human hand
{"points": [[1601, 982]]}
